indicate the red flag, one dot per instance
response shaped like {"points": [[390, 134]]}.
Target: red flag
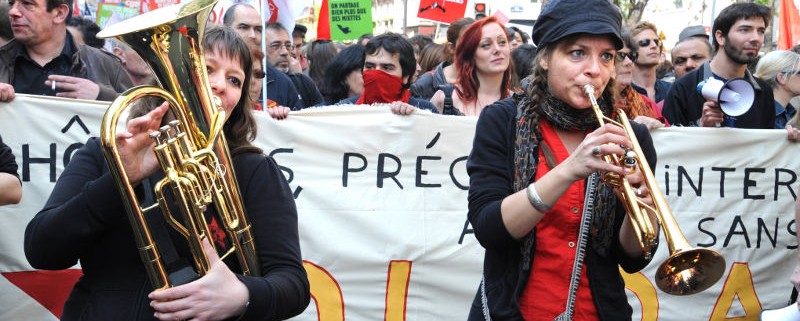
{"points": [[274, 11], [788, 25], [445, 11], [49, 288], [324, 23]]}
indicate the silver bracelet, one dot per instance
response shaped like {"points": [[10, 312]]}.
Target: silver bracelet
{"points": [[535, 200]]}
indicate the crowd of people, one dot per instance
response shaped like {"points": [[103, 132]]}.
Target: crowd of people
{"points": [[533, 168]]}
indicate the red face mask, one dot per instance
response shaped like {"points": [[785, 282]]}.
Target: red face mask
{"points": [[380, 87]]}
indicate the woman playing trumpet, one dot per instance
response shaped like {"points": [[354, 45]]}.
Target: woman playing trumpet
{"points": [[534, 177]]}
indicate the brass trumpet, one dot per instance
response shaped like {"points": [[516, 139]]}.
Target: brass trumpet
{"points": [[688, 270], [192, 150]]}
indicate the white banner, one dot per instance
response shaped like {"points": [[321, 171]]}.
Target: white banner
{"points": [[382, 208]]}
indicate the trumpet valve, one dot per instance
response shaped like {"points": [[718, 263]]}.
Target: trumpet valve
{"points": [[612, 179], [630, 159]]}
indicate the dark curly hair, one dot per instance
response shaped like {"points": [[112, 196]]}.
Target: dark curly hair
{"points": [[334, 86]]}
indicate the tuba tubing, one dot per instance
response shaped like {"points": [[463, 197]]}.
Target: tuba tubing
{"points": [[192, 151], [687, 270]]}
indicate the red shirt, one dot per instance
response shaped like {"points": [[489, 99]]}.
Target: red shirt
{"points": [[545, 294]]}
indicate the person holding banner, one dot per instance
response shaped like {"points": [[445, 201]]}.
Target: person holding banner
{"points": [[556, 234], [737, 34], [84, 220], [483, 66], [389, 66], [10, 184], [44, 59]]}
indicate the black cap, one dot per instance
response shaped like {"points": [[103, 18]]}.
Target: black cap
{"points": [[561, 18], [300, 28]]}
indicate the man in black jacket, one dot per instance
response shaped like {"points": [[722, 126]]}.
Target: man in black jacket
{"points": [[245, 19], [279, 49], [738, 35], [45, 60]]}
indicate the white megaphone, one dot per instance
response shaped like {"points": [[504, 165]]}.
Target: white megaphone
{"points": [[735, 97], [789, 313]]}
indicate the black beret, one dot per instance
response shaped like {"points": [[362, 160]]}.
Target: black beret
{"points": [[562, 18]]}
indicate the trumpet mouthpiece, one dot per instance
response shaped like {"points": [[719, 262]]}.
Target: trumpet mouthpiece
{"points": [[589, 89]]}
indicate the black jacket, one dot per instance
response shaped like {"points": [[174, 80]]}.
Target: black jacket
{"points": [[427, 84], [89, 63], [307, 89], [491, 170], [7, 162], [281, 90], [684, 104], [84, 220]]}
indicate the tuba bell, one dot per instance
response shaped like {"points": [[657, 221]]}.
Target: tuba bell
{"points": [[191, 150], [687, 270]]}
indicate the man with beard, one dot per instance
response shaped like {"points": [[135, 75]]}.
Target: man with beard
{"points": [[279, 49], [738, 35]]}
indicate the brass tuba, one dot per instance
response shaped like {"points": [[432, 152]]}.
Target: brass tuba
{"points": [[687, 270], [191, 150]]}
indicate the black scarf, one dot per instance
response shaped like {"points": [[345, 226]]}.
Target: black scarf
{"points": [[526, 159]]}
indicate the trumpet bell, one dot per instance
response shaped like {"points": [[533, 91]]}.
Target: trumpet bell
{"points": [[687, 270], [690, 271]]}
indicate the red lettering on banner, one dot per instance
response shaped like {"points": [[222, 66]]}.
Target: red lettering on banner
{"points": [[49, 288]]}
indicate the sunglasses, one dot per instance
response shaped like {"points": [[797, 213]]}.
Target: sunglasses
{"points": [[259, 74], [646, 42], [630, 55]]}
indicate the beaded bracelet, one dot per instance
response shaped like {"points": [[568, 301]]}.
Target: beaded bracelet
{"points": [[535, 200]]}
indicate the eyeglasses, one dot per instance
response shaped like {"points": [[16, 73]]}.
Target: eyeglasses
{"points": [[646, 42], [278, 45], [259, 74], [630, 55]]}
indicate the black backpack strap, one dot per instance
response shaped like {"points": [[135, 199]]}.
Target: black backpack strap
{"points": [[179, 270], [448, 109]]}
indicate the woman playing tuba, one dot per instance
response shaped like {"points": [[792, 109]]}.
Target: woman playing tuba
{"points": [[84, 220]]}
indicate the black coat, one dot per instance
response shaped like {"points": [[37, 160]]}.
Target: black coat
{"points": [[684, 104], [491, 170], [84, 220]]}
